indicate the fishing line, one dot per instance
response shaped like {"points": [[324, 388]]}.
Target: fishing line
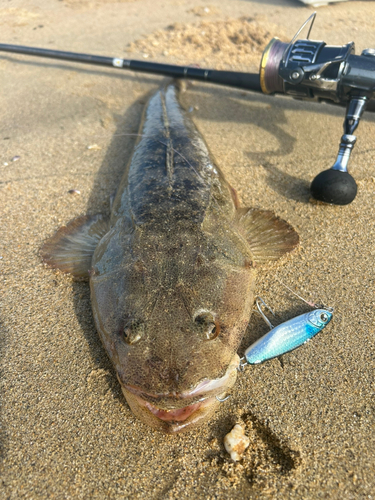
{"points": [[311, 304]]}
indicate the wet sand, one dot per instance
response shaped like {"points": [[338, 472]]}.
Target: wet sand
{"points": [[66, 430]]}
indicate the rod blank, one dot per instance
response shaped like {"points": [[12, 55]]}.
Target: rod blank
{"points": [[248, 81]]}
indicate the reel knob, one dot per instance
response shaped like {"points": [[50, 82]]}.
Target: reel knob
{"points": [[334, 186]]}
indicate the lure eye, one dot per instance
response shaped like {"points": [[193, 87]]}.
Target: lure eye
{"points": [[133, 331], [207, 325], [324, 317]]}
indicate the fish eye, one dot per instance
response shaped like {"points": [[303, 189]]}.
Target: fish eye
{"points": [[324, 317], [133, 331], [207, 325]]}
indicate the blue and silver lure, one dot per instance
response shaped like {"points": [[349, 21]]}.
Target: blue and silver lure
{"points": [[287, 336]]}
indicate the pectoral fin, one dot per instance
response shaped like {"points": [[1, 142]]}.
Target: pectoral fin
{"points": [[71, 249], [269, 236]]}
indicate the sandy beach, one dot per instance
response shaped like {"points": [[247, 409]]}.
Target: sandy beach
{"points": [[66, 429]]}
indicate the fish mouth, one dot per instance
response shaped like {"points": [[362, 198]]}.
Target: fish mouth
{"points": [[176, 412]]}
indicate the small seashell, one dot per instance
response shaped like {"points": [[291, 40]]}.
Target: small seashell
{"points": [[15, 158], [74, 191], [236, 442], [5, 163], [94, 147]]}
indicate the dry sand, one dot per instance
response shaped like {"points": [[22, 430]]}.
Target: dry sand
{"points": [[66, 430]]}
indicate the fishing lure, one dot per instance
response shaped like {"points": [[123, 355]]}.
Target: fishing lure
{"points": [[287, 336]]}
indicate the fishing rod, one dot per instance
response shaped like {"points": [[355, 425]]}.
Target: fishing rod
{"points": [[303, 69]]}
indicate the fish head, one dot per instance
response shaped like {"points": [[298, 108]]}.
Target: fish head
{"points": [[172, 324]]}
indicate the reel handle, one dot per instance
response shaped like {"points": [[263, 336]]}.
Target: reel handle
{"points": [[336, 185]]}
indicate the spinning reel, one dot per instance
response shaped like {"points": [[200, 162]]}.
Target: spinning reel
{"points": [[313, 70], [303, 69]]}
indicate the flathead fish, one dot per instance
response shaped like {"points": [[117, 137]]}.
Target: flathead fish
{"points": [[171, 270]]}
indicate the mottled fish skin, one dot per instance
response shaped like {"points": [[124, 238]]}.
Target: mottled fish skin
{"points": [[172, 272]]}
